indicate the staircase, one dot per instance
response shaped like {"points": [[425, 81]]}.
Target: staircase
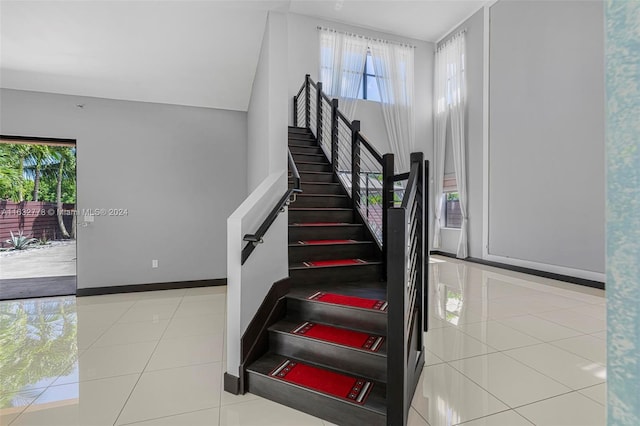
{"points": [[327, 355]]}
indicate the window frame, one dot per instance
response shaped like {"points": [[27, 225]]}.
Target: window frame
{"points": [[365, 76]]}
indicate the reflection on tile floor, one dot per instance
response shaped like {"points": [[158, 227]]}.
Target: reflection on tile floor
{"points": [[504, 349]]}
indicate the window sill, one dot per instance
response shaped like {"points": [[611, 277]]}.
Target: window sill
{"points": [[450, 229]]}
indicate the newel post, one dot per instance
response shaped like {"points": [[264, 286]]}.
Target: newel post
{"points": [[387, 201], [334, 135], [319, 112], [307, 100], [355, 162]]}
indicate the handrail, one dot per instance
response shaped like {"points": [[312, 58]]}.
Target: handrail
{"points": [[411, 186], [325, 97], [401, 177], [294, 171], [344, 119], [365, 142], [257, 238]]}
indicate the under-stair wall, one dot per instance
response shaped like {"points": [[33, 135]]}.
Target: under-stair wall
{"points": [[249, 282]]}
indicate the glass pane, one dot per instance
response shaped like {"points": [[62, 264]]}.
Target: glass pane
{"points": [[453, 214], [368, 68], [372, 89]]}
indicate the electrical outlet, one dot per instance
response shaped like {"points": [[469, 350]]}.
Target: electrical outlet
{"points": [[154, 263]]}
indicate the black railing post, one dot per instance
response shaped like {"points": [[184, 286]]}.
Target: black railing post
{"points": [[334, 135], [295, 111], [418, 158], [355, 162], [425, 264], [397, 350], [319, 112], [307, 101], [387, 202]]}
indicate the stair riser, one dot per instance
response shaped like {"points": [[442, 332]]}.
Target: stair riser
{"points": [[343, 274], [305, 150], [325, 233], [305, 216], [311, 188], [316, 177], [330, 409], [354, 362], [313, 167], [315, 158], [295, 130], [366, 320], [302, 141], [320, 202], [334, 251]]}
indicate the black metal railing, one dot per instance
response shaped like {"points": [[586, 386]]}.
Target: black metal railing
{"points": [[394, 209], [289, 196], [407, 275], [358, 165]]}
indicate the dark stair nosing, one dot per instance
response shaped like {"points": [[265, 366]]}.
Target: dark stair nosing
{"points": [[346, 359], [326, 251], [299, 266], [340, 231], [305, 150], [365, 320], [372, 412], [287, 324], [351, 243], [321, 200]]}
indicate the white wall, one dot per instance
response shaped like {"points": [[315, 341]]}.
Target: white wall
{"points": [[267, 114], [179, 171], [546, 182], [304, 59], [248, 284], [545, 191]]}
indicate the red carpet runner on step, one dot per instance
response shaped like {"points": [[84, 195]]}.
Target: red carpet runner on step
{"points": [[335, 384], [315, 242], [341, 336], [356, 302], [337, 262]]}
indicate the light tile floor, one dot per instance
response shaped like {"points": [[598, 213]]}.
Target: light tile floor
{"points": [[503, 349]]}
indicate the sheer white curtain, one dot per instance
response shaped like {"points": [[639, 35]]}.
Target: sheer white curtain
{"points": [[342, 58], [450, 104], [393, 66]]}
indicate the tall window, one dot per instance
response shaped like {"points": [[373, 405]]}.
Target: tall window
{"points": [[369, 86], [450, 93]]}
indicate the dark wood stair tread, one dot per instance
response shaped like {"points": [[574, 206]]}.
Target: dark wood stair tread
{"points": [[321, 224], [375, 401], [289, 325], [320, 209], [302, 266], [311, 172], [305, 194], [330, 243]]}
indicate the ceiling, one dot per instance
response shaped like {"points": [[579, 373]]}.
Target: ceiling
{"points": [[198, 53], [427, 20]]}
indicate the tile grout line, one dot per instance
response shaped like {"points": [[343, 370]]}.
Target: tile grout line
{"points": [[147, 363]]}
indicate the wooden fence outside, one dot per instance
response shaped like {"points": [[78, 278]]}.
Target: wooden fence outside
{"points": [[34, 218]]}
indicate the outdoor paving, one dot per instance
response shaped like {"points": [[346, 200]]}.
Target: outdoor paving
{"points": [[56, 259]]}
